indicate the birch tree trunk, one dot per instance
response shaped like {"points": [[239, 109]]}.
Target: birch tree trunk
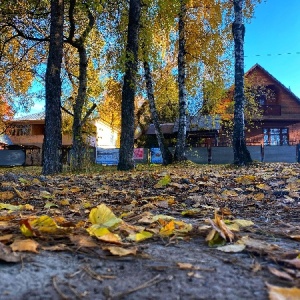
{"points": [[78, 147], [52, 158], [166, 153], [181, 137], [129, 86], [241, 154]]}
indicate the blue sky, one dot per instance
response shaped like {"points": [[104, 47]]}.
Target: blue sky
{"points": [[272, 34]]}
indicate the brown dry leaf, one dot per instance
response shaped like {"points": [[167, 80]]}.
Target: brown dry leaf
{"points": [[185, 266], [4, 225], [75, 189], [245, 179], [226, 232], [25, 245], [258, 244], [7, 255], [119, 251], [83, 241], [294, 262], [6, 238], [263, 186], [7, 195], [229, 193], [280, 274], [258, 196], [295, 237], [59, 247], [281, 293]]}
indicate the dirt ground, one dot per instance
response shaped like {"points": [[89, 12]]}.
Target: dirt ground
{"points": [[164, 267]]}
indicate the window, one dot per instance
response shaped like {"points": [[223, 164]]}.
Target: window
{"points": [[276, 136], [19, 130]]}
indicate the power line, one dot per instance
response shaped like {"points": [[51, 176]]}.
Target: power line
{"points": [[274, 54]]}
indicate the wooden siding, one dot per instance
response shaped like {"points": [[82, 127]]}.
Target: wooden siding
{"points": [[290, 105]]}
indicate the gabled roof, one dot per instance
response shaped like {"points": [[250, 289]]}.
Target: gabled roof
{"points": [[31, 117], [258, 66]]}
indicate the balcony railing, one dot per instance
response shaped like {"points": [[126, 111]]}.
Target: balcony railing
{"points": [[271, 110]]}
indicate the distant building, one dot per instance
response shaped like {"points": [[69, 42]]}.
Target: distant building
{"points": [[28, 132], [279, 122]]}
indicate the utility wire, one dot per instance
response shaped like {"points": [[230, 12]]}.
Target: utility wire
{"points": [[274, 54]]}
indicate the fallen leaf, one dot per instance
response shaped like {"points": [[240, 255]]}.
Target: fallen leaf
{"points": [[6, 254], [119, 251], [83, 241], [6, 238], [163, 182], [294, 262], [258, 245], [45, 195], [103, 234], [37, 226], [281, 293], [59, 247], [185, 266], [104, 217], [141, 236], [232, 248], [243, 223], [10, 207], [168, 229], [25, 245], [280, 274], [50, 204], [245, 179]]}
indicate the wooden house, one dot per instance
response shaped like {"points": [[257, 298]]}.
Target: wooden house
{"points": [[279, 120], [28, 132]]}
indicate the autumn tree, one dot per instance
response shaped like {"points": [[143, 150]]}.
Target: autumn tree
{"points": [[19, 57], [129, 87], [6, 113], [78, 41], [52, 160]]}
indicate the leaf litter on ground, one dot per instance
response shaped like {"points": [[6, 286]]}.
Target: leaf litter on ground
{"points": [[234, 209]]}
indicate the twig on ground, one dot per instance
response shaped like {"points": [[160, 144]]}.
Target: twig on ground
{"points": [[95, 275], [146, 284], [62, 295]]}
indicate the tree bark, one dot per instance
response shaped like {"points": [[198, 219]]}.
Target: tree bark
{"points": [[78, 147], [52, 159], [241, 154], [181, 136], [129, 86], [166, 153]]}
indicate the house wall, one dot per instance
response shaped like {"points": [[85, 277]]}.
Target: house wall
{"points": [[290, 107], [106, 136]]}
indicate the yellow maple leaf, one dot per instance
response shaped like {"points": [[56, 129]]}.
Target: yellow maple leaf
{"points": [[36, 226], [138, 237], [103, 216]]}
